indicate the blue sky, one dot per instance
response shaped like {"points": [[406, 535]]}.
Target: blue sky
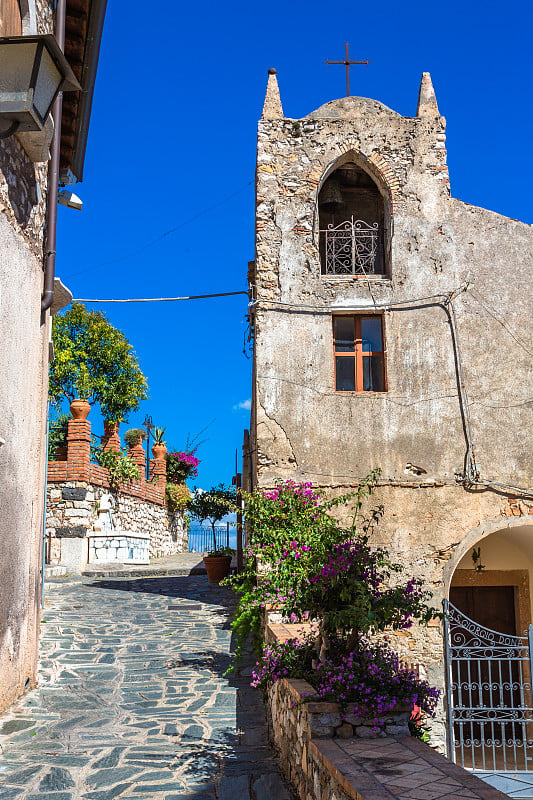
{"points": [[172, 145]]}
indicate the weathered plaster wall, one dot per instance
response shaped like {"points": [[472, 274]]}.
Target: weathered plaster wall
{"points": [[24, 385], [438, 243], [301, 428]]}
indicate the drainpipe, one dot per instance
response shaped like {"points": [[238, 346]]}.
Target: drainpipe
{"points": [[43, 539], [53, 175]]}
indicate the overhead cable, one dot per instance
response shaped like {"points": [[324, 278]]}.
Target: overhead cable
{"points": [[161, 236], [157, 299]]}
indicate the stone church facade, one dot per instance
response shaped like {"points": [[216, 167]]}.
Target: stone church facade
{"points": [[392, 330]]}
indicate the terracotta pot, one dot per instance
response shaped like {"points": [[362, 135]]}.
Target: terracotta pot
{"points": [[80, 409], [217, 567], [110, 428], [158, 451]]}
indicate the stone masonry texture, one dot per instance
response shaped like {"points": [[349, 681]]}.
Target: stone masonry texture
{"points": [[301, 428], [67, 517], [132, 702], [24, 336]]}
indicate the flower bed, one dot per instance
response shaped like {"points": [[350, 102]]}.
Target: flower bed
{"points": [[297, 728], [328, 754]]}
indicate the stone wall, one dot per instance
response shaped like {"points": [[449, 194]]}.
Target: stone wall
{"points": [[24, 335], [292, 726], [327, 754], [76, 487], [72, 514], [415, 431]]}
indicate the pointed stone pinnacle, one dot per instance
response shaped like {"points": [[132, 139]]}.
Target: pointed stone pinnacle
{"points": [[427, 100], [272, 108]]}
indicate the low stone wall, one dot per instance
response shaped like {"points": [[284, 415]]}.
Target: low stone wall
{"points": [[327, 754], [119, 548], [293, 724], [72, 513], [142, 526]]}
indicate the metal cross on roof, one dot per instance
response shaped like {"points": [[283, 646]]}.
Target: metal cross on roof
{"points": [[347, 63]]}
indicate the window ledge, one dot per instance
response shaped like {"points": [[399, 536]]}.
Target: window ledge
{"points": [[345, 278]]}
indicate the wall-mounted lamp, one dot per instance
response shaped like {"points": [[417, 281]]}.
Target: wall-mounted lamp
{"points": [[70, 200], [33, 70], [476, 558]]}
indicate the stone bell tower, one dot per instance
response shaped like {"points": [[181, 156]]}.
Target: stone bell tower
{"points": [[381, 338]]}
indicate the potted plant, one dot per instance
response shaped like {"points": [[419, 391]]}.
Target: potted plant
{"points": [[159, 447], [94, 363], [181, 464], [213, 506], [134, 437], [80, 406]]}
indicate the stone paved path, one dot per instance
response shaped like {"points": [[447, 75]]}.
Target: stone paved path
{"points": [[132, 703]]}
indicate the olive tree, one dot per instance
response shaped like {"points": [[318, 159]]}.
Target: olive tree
{"points": [[212, 506]]}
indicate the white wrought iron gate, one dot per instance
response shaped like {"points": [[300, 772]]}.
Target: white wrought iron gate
{"points": [[490, 728]]}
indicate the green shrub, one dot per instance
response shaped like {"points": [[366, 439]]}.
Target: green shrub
{"points": [[177, 496], [120, 467], [134, 436]]}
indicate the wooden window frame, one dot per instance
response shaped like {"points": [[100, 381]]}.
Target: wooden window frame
{"points": [[358, 354]]}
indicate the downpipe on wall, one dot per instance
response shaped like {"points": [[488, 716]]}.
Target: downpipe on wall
{"points": [[53, 176]]}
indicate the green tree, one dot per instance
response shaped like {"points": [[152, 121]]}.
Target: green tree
{"points": [[212, 506], [95, 362]]}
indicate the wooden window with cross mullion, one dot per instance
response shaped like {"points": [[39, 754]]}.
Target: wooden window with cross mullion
{"points": [[359, 353]]}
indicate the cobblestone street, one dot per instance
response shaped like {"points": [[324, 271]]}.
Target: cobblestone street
{"points": [[132, 702]]}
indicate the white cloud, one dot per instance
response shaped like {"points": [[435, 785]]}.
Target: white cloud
{"points": [[244, 406]]}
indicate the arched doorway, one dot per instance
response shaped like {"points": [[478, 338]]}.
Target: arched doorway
{"points": [[489, 644]]}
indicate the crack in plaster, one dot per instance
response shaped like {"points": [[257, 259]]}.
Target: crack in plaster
{"points": [[276, 432]]}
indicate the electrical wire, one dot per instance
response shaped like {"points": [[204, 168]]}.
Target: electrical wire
{"points": [[158, 299], [162, 235], [471, 477], [443, 297]]}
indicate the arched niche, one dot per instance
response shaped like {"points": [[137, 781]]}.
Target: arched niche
{"points": [[491, 559], [354, 214]]}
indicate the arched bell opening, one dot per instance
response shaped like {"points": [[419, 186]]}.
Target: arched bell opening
{"points": [[353, 223]]}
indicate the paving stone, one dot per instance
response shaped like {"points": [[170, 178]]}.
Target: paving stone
{"points": [[13, 725], [58, 778], [50, 796], [145, 714], [193, 732], [110, 759], [23, 777], [108, 794], [231, 788], [270, 787], [107, 777]]}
